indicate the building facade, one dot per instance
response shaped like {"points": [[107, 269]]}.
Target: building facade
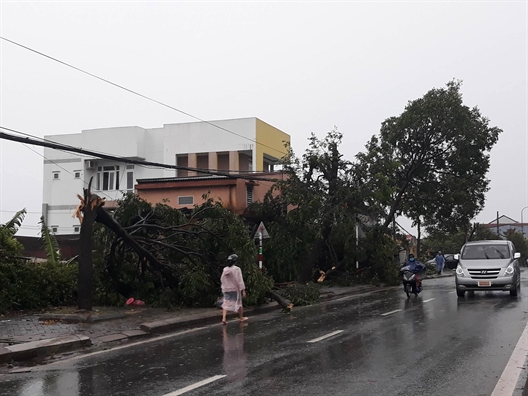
{"points": [[503, 224], [235, 193], [237, 145]]}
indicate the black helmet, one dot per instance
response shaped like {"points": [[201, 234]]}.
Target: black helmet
{"points": [[232, 259]]}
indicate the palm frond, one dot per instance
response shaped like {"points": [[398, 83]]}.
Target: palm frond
{"points": [[13, 224], [51, 246]]}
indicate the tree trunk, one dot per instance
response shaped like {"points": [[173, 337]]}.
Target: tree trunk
{"points": [[308, 266], [285, 305], [85, 275], [104, 218], [395, 206]]}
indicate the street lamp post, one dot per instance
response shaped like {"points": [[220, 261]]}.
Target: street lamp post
{"points": [[522, 223]]}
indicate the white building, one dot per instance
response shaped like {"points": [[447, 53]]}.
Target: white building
{"points": [[246, 144]]}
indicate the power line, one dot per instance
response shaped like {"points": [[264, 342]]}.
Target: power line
{"points": [[66, 147], [62, 147], [16, 211], [63, 168], [138, 94]]}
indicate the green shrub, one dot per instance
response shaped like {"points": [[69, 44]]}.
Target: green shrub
{"points": [[27, 285], [430, 269]]}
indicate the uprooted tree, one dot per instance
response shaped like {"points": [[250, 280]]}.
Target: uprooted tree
{"points": [[158, 252]]}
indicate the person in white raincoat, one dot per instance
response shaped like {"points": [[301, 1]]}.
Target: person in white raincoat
{"points": [[233, 288]]}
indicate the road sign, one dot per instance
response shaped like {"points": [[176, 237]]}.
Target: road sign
{"points": [[261, 229]]}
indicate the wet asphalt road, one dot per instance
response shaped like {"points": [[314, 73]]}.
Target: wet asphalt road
{"points": [[436, 344]]}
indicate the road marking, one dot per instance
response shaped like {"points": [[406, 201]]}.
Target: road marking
{"points": [[391, 312], [326, 336], [133, 344], [510, 376], [194, 386], [431, 299], [452, 292]]}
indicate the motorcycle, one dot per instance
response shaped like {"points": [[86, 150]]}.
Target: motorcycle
{"points": [[409, 282]]}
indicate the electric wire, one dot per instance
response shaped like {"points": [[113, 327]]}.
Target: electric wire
{"points": [[62, 147], [137, 93], [66, 170], [16, 211], [66, 147]]}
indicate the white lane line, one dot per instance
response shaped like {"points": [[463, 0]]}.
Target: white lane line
{"points": [[326, 336], [194, 386], [452, 292], [133, 344], [510, 376], [391, 312], [431, 299]]}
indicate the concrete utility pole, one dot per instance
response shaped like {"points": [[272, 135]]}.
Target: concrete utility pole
{"points": [[357, 246], [522, 222]]}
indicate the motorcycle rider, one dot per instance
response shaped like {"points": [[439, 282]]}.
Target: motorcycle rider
{"points": [[415, 267]]}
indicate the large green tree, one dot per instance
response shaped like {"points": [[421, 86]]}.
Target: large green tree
{"points": [[318, 187], [312, 222], [430, 162]]}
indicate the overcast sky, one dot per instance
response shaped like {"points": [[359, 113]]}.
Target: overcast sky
{"points": [[300, 66]]}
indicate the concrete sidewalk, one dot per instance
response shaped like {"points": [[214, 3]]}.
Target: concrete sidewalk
{"points": [[40, 335]]}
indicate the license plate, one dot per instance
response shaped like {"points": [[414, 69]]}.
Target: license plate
{"points": [[484, 283]]}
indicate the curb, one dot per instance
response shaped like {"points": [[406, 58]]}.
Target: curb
{"points": [[161, 326], [75, 318], [33, 349], [30, 350]]}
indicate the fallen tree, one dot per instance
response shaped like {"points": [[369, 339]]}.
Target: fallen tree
{"points": [[160, 253]]}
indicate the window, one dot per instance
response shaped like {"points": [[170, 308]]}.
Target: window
{"points": [[130, 180], [107, 178], [54, 229], [485, 252], [76, 229], [56, 175], [249, 194], [186, 200], [77, 174]]}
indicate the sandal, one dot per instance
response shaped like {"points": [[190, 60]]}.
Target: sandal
{"points": [[224, 322], [244, 319]]}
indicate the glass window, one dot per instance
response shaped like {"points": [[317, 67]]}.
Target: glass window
{"points": [[77, 174], [130, 180], [186, 200], [486, 252], [249, 194], [56, 175], [106, 176]]}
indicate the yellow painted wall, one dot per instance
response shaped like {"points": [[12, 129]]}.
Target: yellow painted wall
{"points": [[271, 142]]}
